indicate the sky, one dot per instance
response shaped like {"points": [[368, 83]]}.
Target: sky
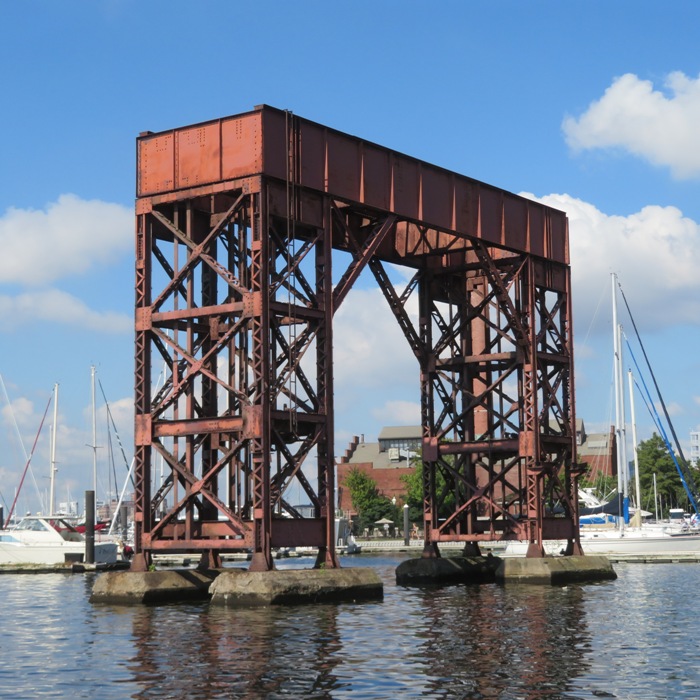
{"points": [[590, 107]]}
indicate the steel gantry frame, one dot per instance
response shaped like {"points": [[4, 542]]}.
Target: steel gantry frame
{"points": [[239, 222]]}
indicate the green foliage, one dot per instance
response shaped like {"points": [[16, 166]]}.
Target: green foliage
{"points": [[654, 458], [414, 492], [369, 504]]}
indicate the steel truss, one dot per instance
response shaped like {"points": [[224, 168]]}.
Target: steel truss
{"points": [[246, 298], [495, 354], [235, 296]]}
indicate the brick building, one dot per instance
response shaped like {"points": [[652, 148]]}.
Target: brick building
{"points": [[385, 461], [388, 459], [597, 450]]}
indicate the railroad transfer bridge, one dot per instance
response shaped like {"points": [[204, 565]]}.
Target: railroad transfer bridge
{"points": [[250, 232]]}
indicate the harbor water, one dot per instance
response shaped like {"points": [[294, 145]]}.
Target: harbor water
{"points": [[635, 637]]}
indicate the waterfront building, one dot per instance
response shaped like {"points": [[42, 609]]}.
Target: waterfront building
{"points": [[694, 447], [597, 450], [388, 459], [385, 461]]}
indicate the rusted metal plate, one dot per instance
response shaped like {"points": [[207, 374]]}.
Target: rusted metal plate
{"points": [[350, 169]]}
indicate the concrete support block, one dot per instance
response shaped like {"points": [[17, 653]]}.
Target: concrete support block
{"points": [[294, 586], [130, 587], [490, 569], [556, 570], [416, 572]]}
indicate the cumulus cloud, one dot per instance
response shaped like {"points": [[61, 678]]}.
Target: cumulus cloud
{"points": [[655, 252], [20, 411], [660, 127], [369, 347], [55, 306], [68, 237], [397, 413]]}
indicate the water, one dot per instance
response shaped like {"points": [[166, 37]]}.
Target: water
{"points": [[631, 638]]}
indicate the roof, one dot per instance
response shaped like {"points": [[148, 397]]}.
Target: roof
{"points": [[595, 444], [369, 453], [411, 432]]}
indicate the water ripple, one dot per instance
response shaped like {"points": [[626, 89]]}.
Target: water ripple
{"points": [[631, 638]]}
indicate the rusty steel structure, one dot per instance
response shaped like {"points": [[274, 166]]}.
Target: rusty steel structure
{"points": [[250, 233]]}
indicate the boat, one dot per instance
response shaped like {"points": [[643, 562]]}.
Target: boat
{"points": [[49, 541], [606, 527]]}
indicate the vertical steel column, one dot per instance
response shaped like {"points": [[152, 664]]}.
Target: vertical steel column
{"points": [[142, 393], [260, 396], [324, 381], [530, 433], [430, 440]]}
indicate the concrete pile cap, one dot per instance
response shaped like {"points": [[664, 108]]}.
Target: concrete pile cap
{"points": [[152, 586], [490, 569], [556, 570], [447, 570], [294, 586]]}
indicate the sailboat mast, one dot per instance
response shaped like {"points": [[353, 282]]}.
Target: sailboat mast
{"points": [[52, 475], [637, 487], [94, 435], [620, 430]]}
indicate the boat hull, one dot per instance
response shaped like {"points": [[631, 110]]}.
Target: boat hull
{"points": [[54, 554], [615, 542]]}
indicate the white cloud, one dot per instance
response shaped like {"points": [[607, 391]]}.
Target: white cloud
{"points": [[67, 238], [673, 408], [55, 306], [369, 349], [19, 411], [656, 126], [655, 252], [397, 413]]}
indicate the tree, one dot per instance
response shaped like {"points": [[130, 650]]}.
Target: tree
{"points": [[414, 490], [655, 459], [369, 504]]}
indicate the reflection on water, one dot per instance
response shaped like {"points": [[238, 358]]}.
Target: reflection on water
{"points": [[258, 653], [630, 638], [497, 642]]}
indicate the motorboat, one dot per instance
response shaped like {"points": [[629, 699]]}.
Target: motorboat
{"points": [[49, 541]]}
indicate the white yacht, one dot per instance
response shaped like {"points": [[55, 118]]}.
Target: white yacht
{"points": [[48, 541]]}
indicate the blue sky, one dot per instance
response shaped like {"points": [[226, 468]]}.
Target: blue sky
{"points": [[589, 106]]}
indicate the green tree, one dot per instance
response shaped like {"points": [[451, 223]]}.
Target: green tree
{"points": [[414, 491], [655, 459], [413, 483], [369, 504]]}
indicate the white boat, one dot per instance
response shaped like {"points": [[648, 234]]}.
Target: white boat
{"points": [[47, 541], [646, 540]]}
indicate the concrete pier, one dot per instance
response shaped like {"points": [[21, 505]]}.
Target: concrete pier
{"points": [[238, 587], [295, 586], [491, 569], [556, 571], [130, 587], [447, 570]]}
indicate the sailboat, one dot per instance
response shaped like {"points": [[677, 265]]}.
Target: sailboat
{"points": [[620, 535], [49, 540]]}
